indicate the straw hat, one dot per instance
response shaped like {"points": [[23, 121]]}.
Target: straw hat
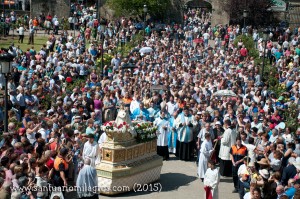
{"points": [[263, 161]]}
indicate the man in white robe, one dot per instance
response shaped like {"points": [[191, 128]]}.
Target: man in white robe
{"points": [[163, 130], [224, 155], [91, 150], [211, 181]]}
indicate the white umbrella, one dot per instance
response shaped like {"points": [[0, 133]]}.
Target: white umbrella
{"points": [[146, 50], [228, 93]]}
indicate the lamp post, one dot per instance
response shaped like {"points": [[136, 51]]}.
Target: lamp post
{"points": [[145, 10], [265, 38], [74, 24], [184, 8], [245, 15], [5, 70], [102, 22]]}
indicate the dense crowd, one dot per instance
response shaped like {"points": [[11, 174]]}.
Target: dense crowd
{"points": [[204, 93]]}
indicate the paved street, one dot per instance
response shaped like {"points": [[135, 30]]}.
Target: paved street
{"points": [[178, 180]]}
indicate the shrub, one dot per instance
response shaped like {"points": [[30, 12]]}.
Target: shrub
{"points": [[248, 43], [291, 115]]}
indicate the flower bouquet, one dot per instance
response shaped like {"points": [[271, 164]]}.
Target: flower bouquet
{"points": [[112, 127], [145, 131]]}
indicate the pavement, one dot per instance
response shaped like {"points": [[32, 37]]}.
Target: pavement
{"points": [[179, 180]]}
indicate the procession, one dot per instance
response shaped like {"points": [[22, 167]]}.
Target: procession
{"points": [[109, 104]]}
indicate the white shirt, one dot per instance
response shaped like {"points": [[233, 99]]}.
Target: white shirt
{"points": [[42, 131], [21, 99], [90, 151], [172, 107], [21, 31], [258, 125], [206, 35]]}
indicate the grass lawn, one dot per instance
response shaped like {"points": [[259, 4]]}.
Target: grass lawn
{"points": [[39, 41]]}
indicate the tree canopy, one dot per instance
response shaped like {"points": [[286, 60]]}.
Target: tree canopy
{"points": [[259, 11], [156, 8]]}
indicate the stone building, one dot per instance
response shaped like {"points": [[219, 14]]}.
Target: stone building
{"points": [[60, 8]]}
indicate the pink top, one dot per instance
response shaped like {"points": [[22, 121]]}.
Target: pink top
{"points": [[98, 104]]}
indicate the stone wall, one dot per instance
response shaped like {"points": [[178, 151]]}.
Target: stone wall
{"points": [[60, 8], [219, 15]]}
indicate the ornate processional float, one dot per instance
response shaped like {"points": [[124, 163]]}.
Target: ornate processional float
{"points": [[129, 155]]}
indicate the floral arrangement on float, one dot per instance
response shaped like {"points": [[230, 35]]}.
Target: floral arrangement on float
{"points": [[145, 131], [123, 129], [113, 127]]}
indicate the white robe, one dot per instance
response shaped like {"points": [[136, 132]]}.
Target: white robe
{"points": [[212, 179], [162, 134], [91, 151], [101, 141], [226, 143], [205, 152]]}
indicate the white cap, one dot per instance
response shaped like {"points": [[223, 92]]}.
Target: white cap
{"points": [[218, 122]]}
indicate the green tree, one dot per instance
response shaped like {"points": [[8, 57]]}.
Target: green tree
{"points": [[249, 44], [156, 8], [259, 11]]}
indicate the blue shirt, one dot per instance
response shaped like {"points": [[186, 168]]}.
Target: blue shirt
{"points": [[290, 192]]}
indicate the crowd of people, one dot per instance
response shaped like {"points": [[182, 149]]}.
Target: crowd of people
{"points": [[180, 85]]}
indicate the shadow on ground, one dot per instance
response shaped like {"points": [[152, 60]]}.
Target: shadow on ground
{"points": [[172, 181], [168, 181], [226, 180]]}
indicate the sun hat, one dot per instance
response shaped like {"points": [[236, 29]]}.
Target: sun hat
{"points": [[264, 173], [263, 161]]}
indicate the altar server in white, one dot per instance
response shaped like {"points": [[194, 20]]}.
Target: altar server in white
{"points": [[211, 182], [205, 152], [91, 150], [163, 130]]}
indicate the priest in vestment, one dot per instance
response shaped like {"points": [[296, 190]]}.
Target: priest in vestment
{"points": [[184, 127], [87, 177], [91, 150], [211, 182], [163, 129], [172, 138], [140, 113], [152, 112]]}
